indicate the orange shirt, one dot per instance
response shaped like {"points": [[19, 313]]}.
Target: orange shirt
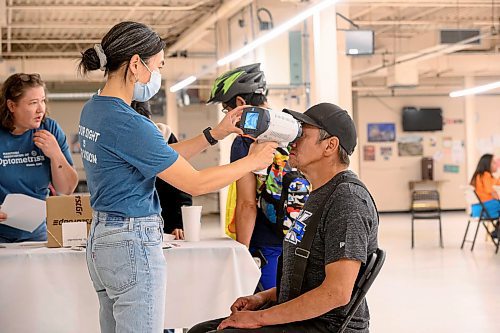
{"points": [[484, 186]]}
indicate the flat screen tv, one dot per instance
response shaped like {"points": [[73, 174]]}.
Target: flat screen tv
{"points": [[424, 119], [359, 42]]}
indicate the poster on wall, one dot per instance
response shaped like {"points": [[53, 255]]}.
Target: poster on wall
{"points": [[386, 152], [457, 152], [410, 146], [450, 168], [381, 132], [369, 153]]}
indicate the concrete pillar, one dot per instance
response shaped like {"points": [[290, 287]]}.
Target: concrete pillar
{"points": [[470, 129], [222, 39], [331, 68], [171, 117]]}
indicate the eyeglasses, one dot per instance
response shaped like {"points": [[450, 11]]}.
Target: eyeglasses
{"points": [[29, 77], [225, 108]]}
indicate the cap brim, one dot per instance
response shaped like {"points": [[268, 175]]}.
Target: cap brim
{"points": [[302, 117]]}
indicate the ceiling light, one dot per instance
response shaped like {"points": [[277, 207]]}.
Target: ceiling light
{"points": [[182, 84], [275, 32], [261, 40], [475, 90]]}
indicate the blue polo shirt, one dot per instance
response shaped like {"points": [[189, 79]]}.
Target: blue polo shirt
{"points": [[122, 153], [23, 166]]}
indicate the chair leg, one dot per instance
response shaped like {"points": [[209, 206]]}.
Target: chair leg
{"points": [[475, 235], [465, 235], [440, 234], [498, 236], [412, 234]]}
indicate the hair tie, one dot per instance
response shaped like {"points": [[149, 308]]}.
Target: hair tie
{"points": [[102, 56]]}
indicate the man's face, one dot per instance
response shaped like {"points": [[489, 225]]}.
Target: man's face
{"points": [[306, 150]]}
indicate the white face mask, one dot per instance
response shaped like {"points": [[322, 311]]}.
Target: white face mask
{"points": [[145, 91]]}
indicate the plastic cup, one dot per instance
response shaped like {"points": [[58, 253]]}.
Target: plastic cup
{"points": [[191, 220]]}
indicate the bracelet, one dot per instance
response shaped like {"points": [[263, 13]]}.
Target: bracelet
{"points": [[209, 136]]}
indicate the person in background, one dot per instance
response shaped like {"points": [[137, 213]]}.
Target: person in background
{"points": [[484, 181], [344, 238], [252, 226], [33, 150], [123, 153], [171, 198]]}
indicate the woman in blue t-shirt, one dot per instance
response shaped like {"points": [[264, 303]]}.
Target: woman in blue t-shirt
{"points": [[123, 153], [33, 150]]}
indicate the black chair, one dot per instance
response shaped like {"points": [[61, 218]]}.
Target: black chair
{"points": [[425, 205], [366, 276], [483, 219]]}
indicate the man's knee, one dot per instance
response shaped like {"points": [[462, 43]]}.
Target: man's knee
{"points": [[205, 327]]}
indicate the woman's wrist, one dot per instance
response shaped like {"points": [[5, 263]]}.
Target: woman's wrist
{"points": [[217, 134]]}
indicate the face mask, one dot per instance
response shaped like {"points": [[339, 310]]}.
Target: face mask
{"points": [[144, 91]]}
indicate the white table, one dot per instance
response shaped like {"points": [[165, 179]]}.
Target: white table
{"points": [[49, 290]]}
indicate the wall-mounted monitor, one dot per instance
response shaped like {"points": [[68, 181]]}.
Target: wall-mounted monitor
{"points": [[423, 119], [359, 42]]}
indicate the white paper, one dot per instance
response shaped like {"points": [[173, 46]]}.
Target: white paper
{"points": [[23, 212], [74, 233]]}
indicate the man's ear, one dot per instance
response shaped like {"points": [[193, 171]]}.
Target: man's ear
{"points": [[332, 146], [240, 101]]}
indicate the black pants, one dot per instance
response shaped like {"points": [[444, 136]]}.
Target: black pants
{"points": [[308, 326]]}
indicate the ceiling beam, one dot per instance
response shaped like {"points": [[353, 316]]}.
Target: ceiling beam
{"points": [[196, 32], [66, 8]]}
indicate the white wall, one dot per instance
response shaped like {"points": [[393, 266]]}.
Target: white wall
{"points": [[389, 179]]}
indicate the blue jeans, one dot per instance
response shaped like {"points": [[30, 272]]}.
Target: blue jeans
{"points": [[492, 206], [10, 234], [127, 267], [269, 270]]}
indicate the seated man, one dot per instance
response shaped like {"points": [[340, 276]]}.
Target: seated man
{"points": [[344, 238]]}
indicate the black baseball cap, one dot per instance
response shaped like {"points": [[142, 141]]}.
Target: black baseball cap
{"points": [[332, 119]]}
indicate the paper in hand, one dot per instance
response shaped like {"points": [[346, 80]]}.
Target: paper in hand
{"points": [[23, 212]]}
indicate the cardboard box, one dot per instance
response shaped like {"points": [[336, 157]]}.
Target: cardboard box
{"points": [[68, 220]]}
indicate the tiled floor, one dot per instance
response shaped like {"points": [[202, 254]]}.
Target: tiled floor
{"points": [[429, 289]]}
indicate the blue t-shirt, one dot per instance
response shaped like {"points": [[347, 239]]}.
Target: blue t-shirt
{"points": [[262, 234], [23, 166], [122, 153]]}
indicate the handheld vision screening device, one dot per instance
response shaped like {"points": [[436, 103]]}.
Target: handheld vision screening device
{"points": [[268, 125]]}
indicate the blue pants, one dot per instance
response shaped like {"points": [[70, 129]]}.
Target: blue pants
{"points": [[492, 206], [9, 234], [128, 270], [268, 271]]}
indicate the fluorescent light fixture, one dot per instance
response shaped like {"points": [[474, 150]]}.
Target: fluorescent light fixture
{"points": [[182, 84], [475, 90], [275, 32], [262, 40]]}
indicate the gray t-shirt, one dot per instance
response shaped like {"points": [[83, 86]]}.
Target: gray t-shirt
{"points": [[347, 229]]}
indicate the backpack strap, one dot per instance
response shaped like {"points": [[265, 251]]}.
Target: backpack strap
{"points": [[303, 251]]}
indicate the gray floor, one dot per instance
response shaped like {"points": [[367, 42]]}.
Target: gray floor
{"points": [[429, 289]]}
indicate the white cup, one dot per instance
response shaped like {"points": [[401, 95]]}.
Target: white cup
{"points": [[191, 220]]}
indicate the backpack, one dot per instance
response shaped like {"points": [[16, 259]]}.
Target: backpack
{"points": [[281, 193]]}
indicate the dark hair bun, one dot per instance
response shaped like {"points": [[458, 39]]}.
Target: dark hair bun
{"points": [[90, 61]]}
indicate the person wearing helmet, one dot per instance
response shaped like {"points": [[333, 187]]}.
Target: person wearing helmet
{"points": [[246, 85]]}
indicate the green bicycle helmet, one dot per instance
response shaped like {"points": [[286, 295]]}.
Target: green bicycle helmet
{"points": [[242, 80]]}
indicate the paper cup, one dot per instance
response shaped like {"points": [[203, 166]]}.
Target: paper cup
{"points": [[191, 220]]}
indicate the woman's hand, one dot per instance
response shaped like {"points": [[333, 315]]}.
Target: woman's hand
{"points": [[262, 153], [228, 124], [44, 140], [178, 233]]}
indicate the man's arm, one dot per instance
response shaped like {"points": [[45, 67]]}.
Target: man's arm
{"points": [[246, 208], [335, 291]]}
